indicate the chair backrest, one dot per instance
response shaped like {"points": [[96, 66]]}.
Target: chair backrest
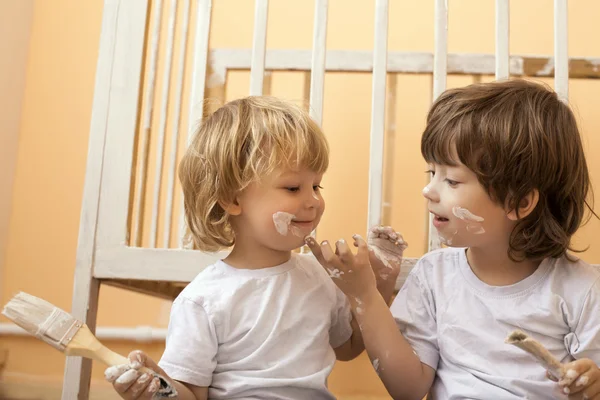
{"points": [[130, 229]]}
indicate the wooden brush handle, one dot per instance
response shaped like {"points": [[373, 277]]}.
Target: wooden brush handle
{"points": [[85, 344]]}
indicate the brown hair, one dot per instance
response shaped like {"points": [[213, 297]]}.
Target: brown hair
{"points": [[243, 141], [517, 136]]}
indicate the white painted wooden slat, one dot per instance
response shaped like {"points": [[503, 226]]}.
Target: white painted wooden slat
{"points": [[440, 70], [223, 60], [317, 78], [561, 53], [378, 113], [440, 54], [142, 169], [176, 125], [122, 122], [502, 39], [85, 289], [259, 44], [196, 106], [390, 150], [162, 129]]}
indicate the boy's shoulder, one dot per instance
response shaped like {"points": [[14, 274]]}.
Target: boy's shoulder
{"points": [[573, 275], [208, 283]]}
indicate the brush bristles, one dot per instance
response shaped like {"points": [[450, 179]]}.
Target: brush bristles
{"points": [[41, 319]]}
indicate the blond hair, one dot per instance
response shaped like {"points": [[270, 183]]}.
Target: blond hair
{"points": [[517, 136], [243, 141]]}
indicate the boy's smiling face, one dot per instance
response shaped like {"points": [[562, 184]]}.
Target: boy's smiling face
{"points": [[279, 211]]}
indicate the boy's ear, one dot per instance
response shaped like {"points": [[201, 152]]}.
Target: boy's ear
{"points": [[526, 206], [232, 207]]}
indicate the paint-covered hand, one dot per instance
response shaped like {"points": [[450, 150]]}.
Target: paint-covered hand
{"points": [[131, 383], [352, 273], [581, 380], [386, 247]]}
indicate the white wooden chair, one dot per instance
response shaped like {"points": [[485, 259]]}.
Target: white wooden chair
{"points": [[114, 187]]}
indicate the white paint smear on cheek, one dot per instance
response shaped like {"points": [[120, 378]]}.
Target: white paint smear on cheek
{"points": [[473, 221], [282, 222], [466, 215]]}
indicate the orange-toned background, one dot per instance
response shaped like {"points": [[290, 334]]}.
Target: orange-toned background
{"points": [[47, 67]]}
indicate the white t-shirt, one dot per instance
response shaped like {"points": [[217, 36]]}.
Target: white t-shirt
{"points": [[457, 325], [258, 334]]}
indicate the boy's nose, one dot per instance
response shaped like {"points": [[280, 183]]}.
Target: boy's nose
{"points": [[313, 200], [430, 193]]}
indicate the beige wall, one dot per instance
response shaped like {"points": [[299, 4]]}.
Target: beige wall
{"points": [[15, 28], [55, 125]]}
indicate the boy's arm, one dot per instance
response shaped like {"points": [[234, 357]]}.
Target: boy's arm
{"points": [[401, 371], [399, 368], [353, 346]]}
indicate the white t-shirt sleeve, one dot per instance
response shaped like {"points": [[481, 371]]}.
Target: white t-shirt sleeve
{"points": [[584, 341], [414, 312], [191, 345], [341, 316]]}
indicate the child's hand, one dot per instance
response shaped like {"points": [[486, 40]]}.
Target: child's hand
{"points": [[351, 273], [131, 383], [581, 380], [385, 251]]}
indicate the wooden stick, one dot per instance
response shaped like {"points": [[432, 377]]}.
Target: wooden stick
{"points": [[175, 131], [259, 44], [378, 113], [163, 124], [502, 39], [138, 227], [561, 53], [196, 106]]}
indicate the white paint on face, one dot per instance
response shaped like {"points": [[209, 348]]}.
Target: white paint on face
{"points": [[282, 221], [314, 195], [426, 190], [473, 221], [466, 215], [450, 240], [283, 224], [475, 229]]}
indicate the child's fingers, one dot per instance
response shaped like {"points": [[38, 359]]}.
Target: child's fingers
{"points": [[586, 382], [576, 372], [113, 373], [343, 251], [363, 249], [326, 251], [125, 381], [592, 392], [315, 249], [136, 391], [152, 388]]}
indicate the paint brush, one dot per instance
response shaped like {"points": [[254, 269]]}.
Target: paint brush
{"points": [[67, 334], [536, 349]]}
